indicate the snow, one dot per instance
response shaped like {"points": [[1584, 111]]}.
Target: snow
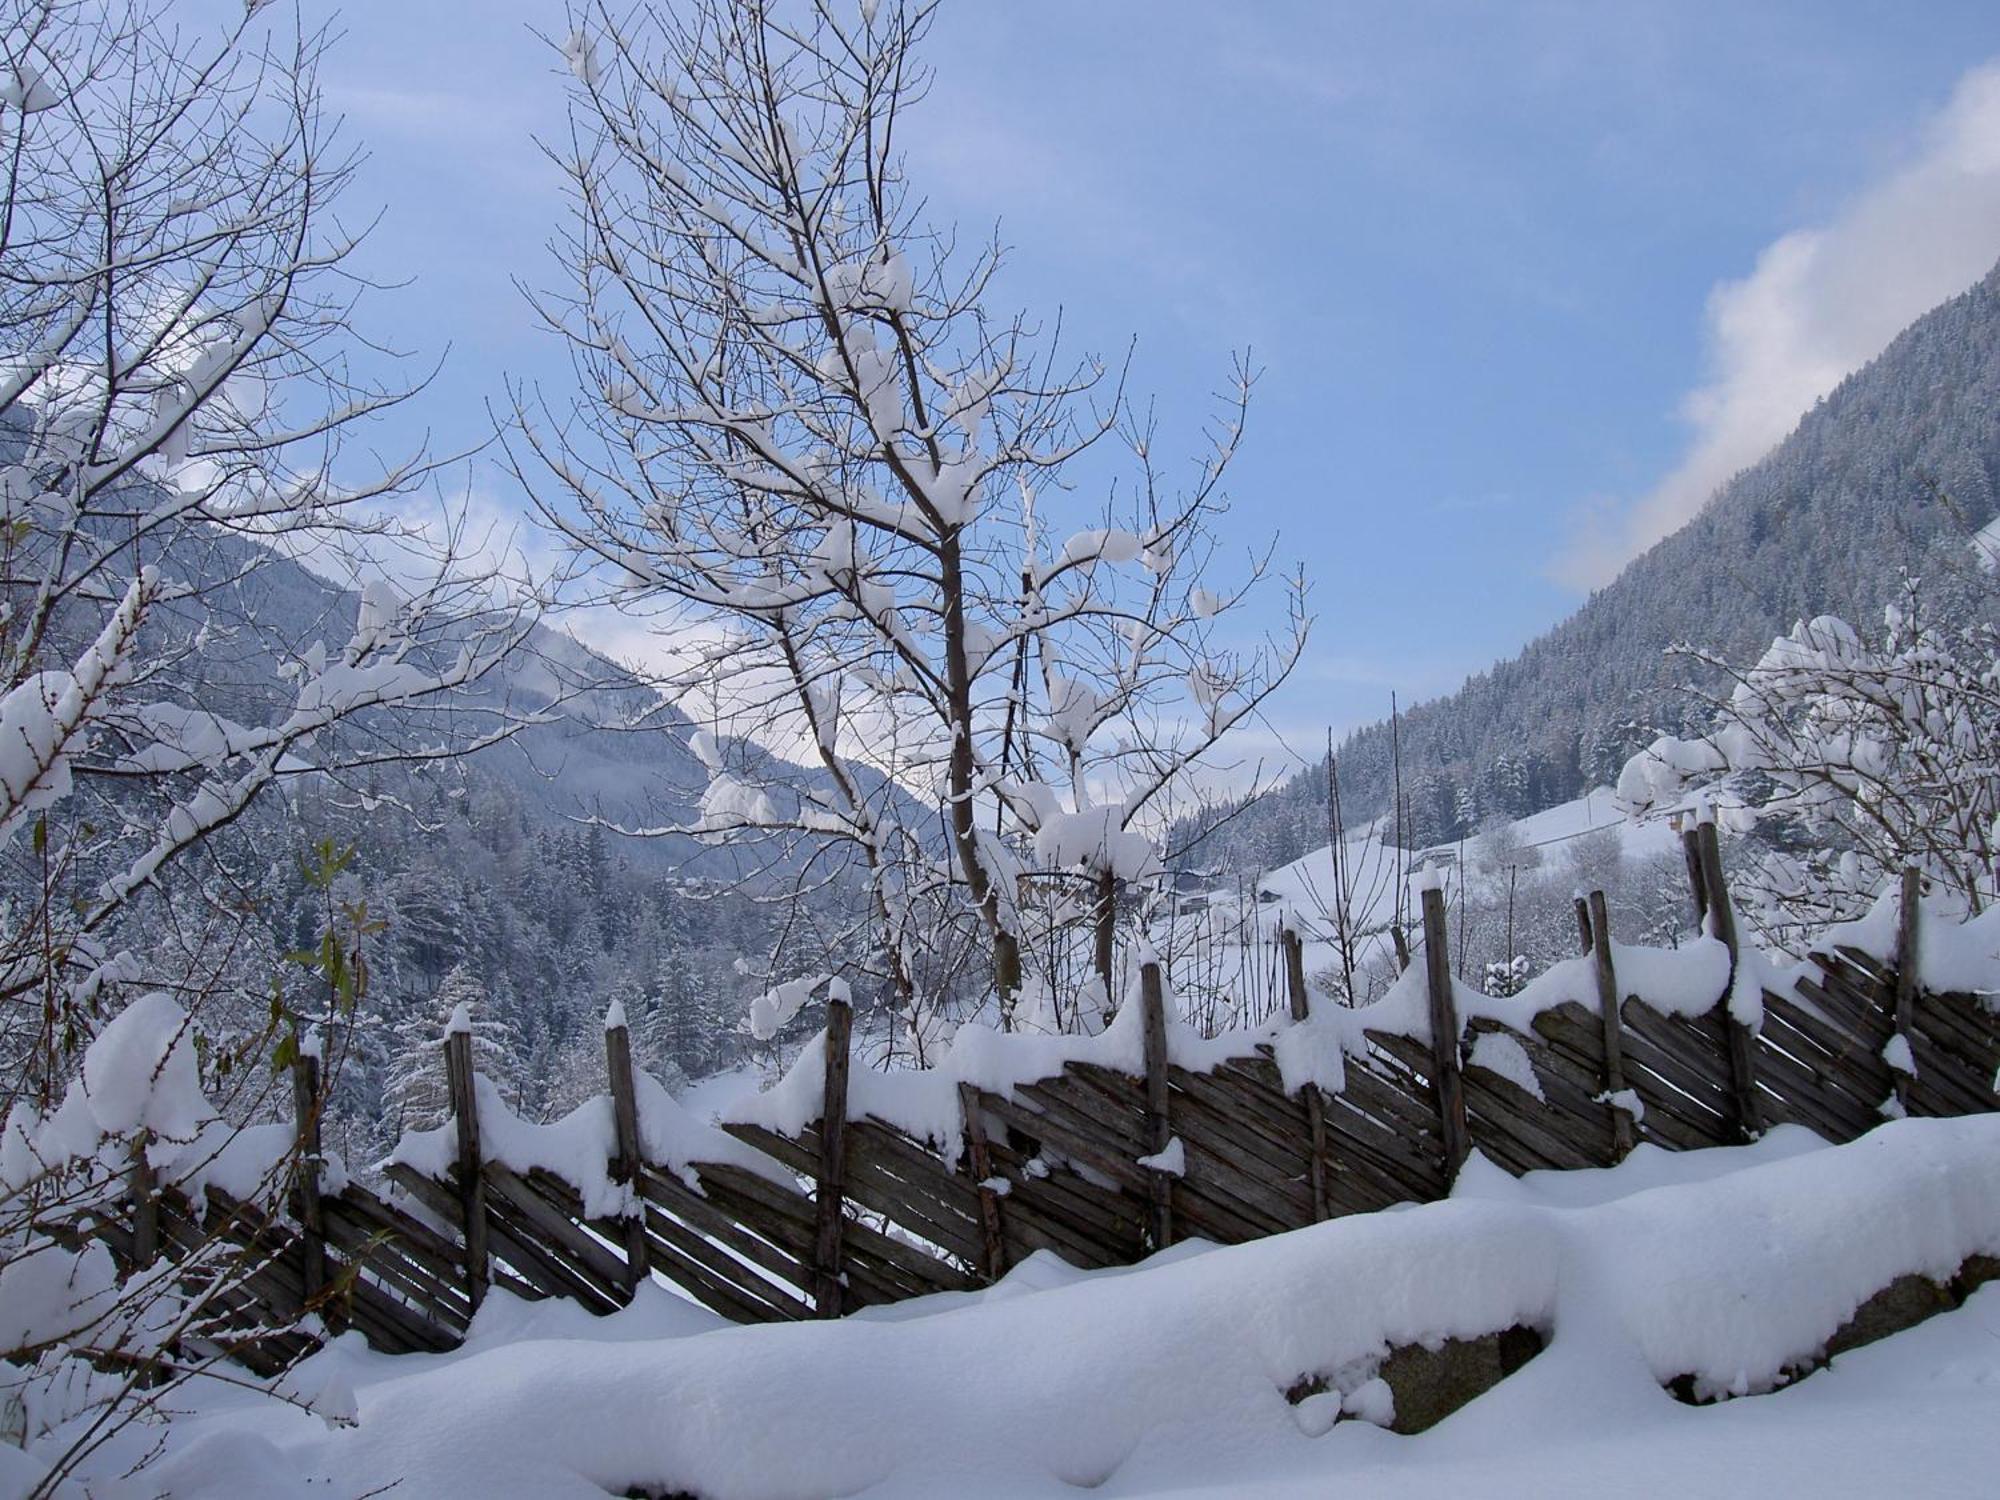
{"points": [[1095, 839], [579, 1147], [1171, 1159], [141, 1072], [1896, 1053], [1683, 981], [1955, 955], [382, 605], [774, 1010], [23, 88], [1724, 1266], [925, 1104], [44, 718], [1499, 1053], [1627, 1100], [1985, 545], [1104, 545], [1306, 887]]}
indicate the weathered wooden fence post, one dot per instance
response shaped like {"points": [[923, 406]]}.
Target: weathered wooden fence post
{"points": [[1159, 1123], [1697, 886], [1295, 978], [145, 1204], [830, 1190], [1741, 1043], [1583, 924], [305, 1198], [979, 1161], [1907, 958], [631, 1156], [471, 1177], [1599, 918], [144, 1194], [1445, 1076]]}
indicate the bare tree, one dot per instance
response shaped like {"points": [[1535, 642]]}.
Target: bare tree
{"points": [[179, 372], [805, 432]]}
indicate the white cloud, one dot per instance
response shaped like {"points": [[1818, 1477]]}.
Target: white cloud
{"points": [[1820, 304]]}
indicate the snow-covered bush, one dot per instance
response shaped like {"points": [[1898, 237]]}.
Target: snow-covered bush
{"points": [[1849, 759]]}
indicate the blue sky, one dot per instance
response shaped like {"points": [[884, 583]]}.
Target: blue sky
{"points": [[1524, 280]]}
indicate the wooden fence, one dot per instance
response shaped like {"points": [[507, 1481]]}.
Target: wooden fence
{"points": [[1099, 1164]]}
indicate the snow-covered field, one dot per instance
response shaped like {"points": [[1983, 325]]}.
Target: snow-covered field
{"points": [[1308, 883], [1222, 944], [1169, 1378]]}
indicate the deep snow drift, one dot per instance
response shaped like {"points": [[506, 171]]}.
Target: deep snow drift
{"points": [[1169, 1378]]}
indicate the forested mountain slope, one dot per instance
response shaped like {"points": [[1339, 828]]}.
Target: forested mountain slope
{"points": [[1893, 469], [490, 870]]}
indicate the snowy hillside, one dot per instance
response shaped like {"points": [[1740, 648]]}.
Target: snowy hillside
{"points": [[1260, 1370], [1514, 883], [1307, 883]]}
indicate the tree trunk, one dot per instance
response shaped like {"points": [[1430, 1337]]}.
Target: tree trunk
{"points": [[1105, 923], [958, 686]]}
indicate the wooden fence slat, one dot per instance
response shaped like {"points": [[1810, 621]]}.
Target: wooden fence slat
{"points": [[143, 1195], [675, 1198], [1244, 1139], [554, 1210], [625, 1167], [471, 1181], [1831, 1075], [921, 1200], [1962, 1026], [1085, 1226], [1607, 1000], [445, 1201], [1861, 1070], [1257, 1159], [1051, 1125], [1906, 970], [689, 1261], [1315, 1106], [1697, 881], [427, 1297], [1159, 1123], [979, 1164], [440, 1259], [1576, 1060], [829, 1195], [306, 1196], [1746, 1115], [1444, 1036]]}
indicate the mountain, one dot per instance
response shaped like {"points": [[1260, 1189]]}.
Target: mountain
{"points": [[1894, 469], [488, 870]]}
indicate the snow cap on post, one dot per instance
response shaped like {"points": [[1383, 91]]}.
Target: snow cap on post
{"points": [[773, 1010], [460, 1023], [614, 1016]]}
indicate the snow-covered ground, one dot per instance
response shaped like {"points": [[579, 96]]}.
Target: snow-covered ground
{"points": [[1308, 882], [1169, 1378]]}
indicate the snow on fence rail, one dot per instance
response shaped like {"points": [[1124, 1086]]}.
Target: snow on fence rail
{"points": [[837, 1190]]}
